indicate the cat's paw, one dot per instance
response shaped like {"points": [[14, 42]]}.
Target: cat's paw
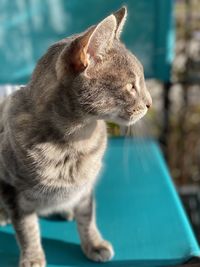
{"points": [[4, 219], [100, 253], [33, 262]]}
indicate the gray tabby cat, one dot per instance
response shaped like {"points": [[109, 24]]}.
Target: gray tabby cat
{"points": [[53, 134]]}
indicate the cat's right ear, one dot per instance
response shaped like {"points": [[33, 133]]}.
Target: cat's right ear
{"points": [[120, 16], [88, 48]]}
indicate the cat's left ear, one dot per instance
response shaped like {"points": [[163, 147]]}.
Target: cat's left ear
{"points": [[120, 16]]}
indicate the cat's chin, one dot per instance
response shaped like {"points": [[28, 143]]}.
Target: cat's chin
{"points": [[124, 122]]}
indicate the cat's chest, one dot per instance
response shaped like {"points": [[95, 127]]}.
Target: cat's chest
{"points": [[58, 199], [65, 173], [73, 163]]}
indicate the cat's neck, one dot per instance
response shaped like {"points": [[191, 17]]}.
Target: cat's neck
{"points": [[62, 114]]}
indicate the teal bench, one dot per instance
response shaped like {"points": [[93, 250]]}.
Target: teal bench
{"points": [[138, 210]]}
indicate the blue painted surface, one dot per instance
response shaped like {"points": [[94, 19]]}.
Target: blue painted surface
{"points": [[138, 210], [27, 28]]}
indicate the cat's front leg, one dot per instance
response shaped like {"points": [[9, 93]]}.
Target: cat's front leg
{"points": [[25, 223], [92, 243], [28, 236]]}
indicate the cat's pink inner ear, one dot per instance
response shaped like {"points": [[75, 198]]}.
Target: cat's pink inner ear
{"points": [[79, 55]]}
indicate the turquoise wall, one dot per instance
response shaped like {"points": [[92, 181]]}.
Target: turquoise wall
{"points": [[28, 27]]}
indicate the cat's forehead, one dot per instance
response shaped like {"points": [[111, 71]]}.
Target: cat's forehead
{"points": [[133, 62], [124, 61], [137, 67]]}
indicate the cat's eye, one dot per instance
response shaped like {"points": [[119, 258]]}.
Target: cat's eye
{"points": [[130, 87]]}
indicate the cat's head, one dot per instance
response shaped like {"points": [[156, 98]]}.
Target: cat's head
{"points": [[105, 79]]}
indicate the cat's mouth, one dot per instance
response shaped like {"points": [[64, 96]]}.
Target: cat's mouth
{"points": [[122, 120]]}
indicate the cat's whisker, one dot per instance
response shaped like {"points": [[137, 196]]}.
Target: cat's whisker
{"points": [[137, 147], [126, 156], [143, 147], [128, 134], [140, 146]]}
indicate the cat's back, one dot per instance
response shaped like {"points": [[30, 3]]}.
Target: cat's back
{"points": [[12, 108], [8, 110], [14, 103]]}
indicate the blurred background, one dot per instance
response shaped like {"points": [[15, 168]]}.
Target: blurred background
{"points": [[165, 35]]}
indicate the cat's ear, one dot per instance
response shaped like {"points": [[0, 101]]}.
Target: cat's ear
{"points": [[89, 47], [120, 16]]}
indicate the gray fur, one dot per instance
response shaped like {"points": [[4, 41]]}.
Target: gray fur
{"points": [[53, 134]]}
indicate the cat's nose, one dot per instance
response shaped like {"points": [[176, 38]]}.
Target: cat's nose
{"points": [[148, 105], [149, 102]]}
